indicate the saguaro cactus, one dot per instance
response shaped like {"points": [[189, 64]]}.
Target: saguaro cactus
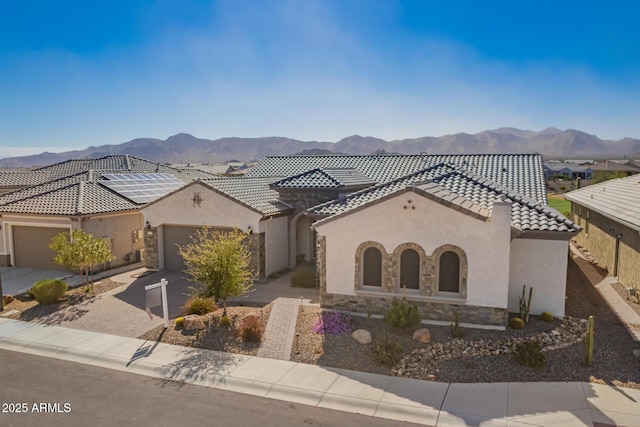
{"points": [[525, 305], [588, 343]]}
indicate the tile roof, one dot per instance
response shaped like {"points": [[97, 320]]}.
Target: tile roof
{"points": [[253, 192], [325, 178], [521, 172], [74, 188], [618, 199], [20, 178], [70, 199], [610, 166], [470, 190]]}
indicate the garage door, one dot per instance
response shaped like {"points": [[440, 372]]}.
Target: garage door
{"points": [[174, 236], [31, 247]]}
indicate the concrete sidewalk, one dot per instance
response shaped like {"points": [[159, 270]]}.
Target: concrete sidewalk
{"points": [[422, 402]]}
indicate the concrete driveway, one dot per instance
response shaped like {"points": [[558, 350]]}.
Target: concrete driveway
{"points": [[16, 280]]}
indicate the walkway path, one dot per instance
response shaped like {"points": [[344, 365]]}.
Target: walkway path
{"points": [[422, 402], [618, 305], [281, 329]]}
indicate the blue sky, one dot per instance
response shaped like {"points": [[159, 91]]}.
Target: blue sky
{"points": [[77, 73]]}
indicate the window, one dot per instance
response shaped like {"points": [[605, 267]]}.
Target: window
{"points": [[372, 267], [410, 269], [449, 272]]}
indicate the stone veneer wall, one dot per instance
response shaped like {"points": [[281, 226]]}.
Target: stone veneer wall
{"points": [[302, 200], [428, 310], [151, 259]]}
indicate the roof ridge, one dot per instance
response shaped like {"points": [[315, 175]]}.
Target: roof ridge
{"points": [[80, 199], [386, 184]]}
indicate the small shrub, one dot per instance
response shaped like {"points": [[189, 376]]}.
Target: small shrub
{"points": [[198, 305], [546, 316], [303, 279], [530, 354], [333, 322], [179, 322], [401, 315], [516, 323], [386, 352], [251, 329], [49, 291], [225, 321]]}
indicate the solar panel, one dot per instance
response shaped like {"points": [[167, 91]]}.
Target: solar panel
{"points": [[142, 187]]}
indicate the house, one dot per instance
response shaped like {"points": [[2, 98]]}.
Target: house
{"points": [[567, 170], [461, 232], [610, 166], [95, 195], [609, 213]]}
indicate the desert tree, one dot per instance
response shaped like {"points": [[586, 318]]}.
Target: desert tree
{"points": [[219, 262], [81, 251]]}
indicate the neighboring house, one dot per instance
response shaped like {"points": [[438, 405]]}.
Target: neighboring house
{"points": [[96, 196], [626, 167], [225, 203], [462, 232], [609, 213], [567, 170]]}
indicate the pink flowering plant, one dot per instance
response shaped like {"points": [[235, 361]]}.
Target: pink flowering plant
{"points": [[333, 322]]}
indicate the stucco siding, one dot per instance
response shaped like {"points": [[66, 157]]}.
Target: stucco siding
{"points": [[276, 234], [542, 265], [215, 210], [123, 231], [599, 236], [411, 218]]}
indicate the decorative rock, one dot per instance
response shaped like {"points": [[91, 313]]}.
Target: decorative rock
{"points": [[253, 315], [362, 336], [7, 299], [193, 322], [422, 335]]}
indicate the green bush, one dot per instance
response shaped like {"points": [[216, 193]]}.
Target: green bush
{"points": [[49, 291], [516, 323], [251, 329], [303, 279], [179, 322], [198, 305], [386, 352], [530, 354], [225, 321], [401, 315], [546, 316]]}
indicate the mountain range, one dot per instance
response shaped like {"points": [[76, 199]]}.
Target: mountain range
{"points": [[185, 148]]}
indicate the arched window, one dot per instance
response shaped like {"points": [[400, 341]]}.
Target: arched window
{"points": [[372, 267], [449, 272], [410, 269]]}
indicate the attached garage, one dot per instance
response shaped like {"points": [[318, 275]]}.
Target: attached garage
{"points": [[174, 236], [31, 247]]}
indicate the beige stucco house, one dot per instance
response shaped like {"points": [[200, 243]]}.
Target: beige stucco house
{"points": [[609, 214], [79, 194]]}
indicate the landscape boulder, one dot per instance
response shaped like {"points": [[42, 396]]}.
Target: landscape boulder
{"points": [[362, 336], [7, 299], [422, 335], [193, 322]]}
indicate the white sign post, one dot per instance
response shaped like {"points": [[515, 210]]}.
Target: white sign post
{"points": [[156, 295]]}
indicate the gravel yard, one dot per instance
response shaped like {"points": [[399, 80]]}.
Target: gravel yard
{"points": [[214, 336], [613, 361]]}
